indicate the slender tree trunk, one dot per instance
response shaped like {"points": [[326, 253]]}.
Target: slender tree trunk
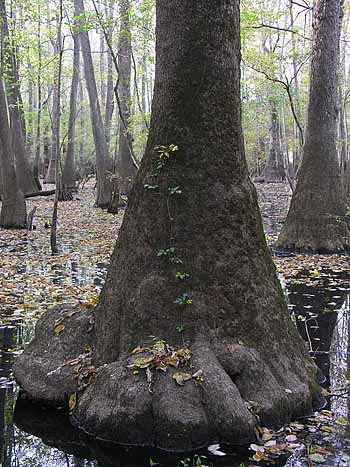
{"points": [[69, 176], [36, 166], [109, 109], [103, 188], [126, 166]]}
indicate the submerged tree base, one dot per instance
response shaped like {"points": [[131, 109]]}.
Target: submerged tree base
{"points": [[148, 407]]}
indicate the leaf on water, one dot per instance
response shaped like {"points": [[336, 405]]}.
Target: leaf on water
{"points": [[259, 456], [215, 450], [181, 377], [318, 458], [257, 448], [72, 401], [327, 429], [342, 421], [270, 444]]}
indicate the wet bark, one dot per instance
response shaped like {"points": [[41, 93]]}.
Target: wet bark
{"points": [[229, 311], [316, 219]]}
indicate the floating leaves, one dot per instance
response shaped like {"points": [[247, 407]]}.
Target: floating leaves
{"points": [[32, 280]]}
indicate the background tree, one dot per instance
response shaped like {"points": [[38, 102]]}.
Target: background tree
{"points": [[316, 219]]}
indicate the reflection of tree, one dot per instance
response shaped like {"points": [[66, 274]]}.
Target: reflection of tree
{"points": [[318, 309], [6, 397], [339, 360]]}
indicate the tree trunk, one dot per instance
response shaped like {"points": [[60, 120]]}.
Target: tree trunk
{"points": [[103, 191], [69, 177], [274, 170], [191, 266], [13, 210], [25, 176], [316, 219], [126, 166]]}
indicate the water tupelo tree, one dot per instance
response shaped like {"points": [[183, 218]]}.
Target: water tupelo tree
{"points": [[317, 220], [191, 268]]}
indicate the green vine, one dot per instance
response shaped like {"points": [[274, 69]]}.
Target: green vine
{"points": [[164, 155]]}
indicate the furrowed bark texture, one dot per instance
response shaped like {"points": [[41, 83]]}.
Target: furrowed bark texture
{"points": [[13, 209], [237, 327], [316, 219]]}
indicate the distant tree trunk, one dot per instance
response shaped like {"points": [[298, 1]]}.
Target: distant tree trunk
{"points": [[25, 176], [126, 164], [110, 89], [316, 219], [13, 209], [191, 267], [103, 187], [274, 169], [69, 176], [36, 165]]}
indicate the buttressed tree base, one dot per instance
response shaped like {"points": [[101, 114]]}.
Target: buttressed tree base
{"points": [[192, 322]]}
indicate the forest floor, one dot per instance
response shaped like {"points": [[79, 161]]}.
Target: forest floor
{"points": [[32, 281]]}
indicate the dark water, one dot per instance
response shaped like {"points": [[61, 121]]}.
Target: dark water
{"points": [[321, 310]]}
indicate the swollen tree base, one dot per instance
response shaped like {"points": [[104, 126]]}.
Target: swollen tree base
{"points": [[13, 212], [127, 408]]}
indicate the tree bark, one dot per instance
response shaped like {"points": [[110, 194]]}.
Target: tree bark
{"points": [[103, 191], [13, 209], [25, 176], [191, 267], [126, 166], [69, 176], [316, 219], [274, 169]]}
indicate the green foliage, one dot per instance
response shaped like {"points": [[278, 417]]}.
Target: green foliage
{"points": [[167, 252], [181, 275], [184, 299]]}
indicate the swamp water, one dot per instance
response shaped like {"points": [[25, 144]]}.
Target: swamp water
{"points": [[34, 436]]}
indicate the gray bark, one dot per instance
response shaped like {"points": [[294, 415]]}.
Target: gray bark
{"points": [[103, 191], [13, 209], [69, 176], [24, 174], [274, 169], [316, 219], [126, 166]]}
